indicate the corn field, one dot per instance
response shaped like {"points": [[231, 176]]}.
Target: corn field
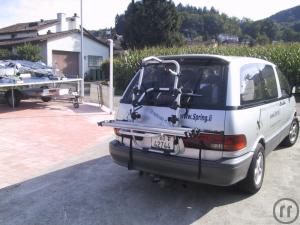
{"points": [[285, 56]]}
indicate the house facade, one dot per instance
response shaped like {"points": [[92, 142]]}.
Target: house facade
{"points": [[60, 43]]}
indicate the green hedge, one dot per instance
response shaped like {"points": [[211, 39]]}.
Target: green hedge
{"points": [[26, 51], [285, 56]]}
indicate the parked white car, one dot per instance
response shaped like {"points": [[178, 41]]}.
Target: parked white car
{"points": [[204, 118]]}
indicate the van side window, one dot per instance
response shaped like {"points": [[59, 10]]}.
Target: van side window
{"points": [[252, 89], [269, 81], [284, 84]]}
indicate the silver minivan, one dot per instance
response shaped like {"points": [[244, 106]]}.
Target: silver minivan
{"points": [[204, 118]]}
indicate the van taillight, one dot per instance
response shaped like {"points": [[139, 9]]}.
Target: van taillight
{"points": [[216, 142], [234, 142]]}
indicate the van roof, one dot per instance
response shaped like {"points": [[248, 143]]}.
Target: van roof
{"points": [[229, 59]]}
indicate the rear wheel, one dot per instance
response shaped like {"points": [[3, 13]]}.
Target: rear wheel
{"points": [[291, 139], [13, 100], [46, 98], [253, 182]]}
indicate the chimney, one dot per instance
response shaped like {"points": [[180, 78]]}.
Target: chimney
{"points": [[74, 22], [62, 23]]}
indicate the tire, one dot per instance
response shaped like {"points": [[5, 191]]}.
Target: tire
{"points": [[76, 105], [253, 182], [291, 139], [9, 99], [46, 98]]}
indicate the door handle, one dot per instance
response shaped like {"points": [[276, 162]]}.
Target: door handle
{"points": [[282, 103]]}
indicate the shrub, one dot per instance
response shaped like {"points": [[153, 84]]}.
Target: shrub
{"points": [[5, 54], [29, 52]]}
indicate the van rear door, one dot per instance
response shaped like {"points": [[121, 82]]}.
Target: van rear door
{"points": [[202, 82]]}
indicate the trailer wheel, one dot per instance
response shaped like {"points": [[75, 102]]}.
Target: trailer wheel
{"points": [[17, 98], [76, 102], [46, 98]]}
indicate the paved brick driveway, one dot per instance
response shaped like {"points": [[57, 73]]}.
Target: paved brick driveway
{"points": [[38, 136]]}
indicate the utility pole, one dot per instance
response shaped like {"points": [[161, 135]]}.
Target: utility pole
{"points": [[81, 50], [111, 75]]}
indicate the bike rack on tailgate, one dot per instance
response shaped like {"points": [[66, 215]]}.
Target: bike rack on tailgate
{"points": [[139, 94], [136, 129], [131, 127]]}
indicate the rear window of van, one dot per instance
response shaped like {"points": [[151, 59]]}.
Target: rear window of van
{"points": [[202, 82]]}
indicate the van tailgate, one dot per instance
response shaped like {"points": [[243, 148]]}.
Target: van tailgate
{"points": [[202, 119]]}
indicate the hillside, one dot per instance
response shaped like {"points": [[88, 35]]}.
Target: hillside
{"points": [[288, 15]]}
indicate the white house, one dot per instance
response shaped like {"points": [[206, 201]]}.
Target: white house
{"points": [[227, 38], [59, 40]]}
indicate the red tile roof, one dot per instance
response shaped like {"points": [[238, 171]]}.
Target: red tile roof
{"points": [[29, 26], [41, 38]]}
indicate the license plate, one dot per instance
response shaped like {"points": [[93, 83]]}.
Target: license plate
{"points": [[163, 143]]}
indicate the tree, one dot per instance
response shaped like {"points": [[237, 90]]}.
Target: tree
{"points": [[264, 27], [213, 10], [290, 35], [270, 28], [29, 52], [192, 25], [206, 23], [250, 28], [213, 25], [296, 26], [151, 23], [262, 39], [231, 25], [120, 24]]}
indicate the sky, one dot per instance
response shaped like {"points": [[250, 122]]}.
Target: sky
{"points": [[101, 13]]}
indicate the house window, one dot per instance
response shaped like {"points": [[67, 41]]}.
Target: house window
{"points": [[94, 61]]}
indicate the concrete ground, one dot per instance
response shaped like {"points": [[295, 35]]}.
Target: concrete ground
{"points": [[55, 169]]}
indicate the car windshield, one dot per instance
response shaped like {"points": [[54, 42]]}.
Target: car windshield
{"points": [[202, 84]]}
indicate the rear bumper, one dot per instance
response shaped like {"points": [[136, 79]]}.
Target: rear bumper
{"points": [[223, 172]]}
